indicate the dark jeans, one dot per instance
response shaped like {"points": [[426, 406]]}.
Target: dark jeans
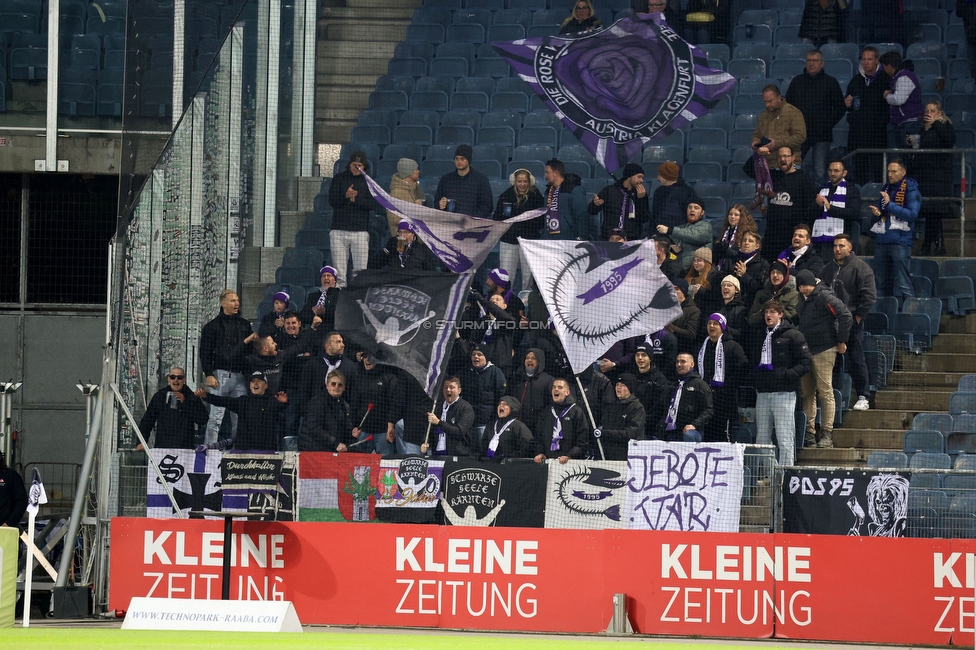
{"points": [[854, 359], [891, 271]]}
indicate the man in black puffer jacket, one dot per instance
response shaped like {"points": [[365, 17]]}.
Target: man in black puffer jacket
{"points": [[223, 346], [260, 412], [779, 356], [690, 408], [532, 385], [623, 420], [570, 438]]}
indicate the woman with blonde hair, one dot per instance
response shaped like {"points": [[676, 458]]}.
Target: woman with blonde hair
{"points": [[726, 247], [933, 172], [521, 197], [583, 19], [704, 284]]}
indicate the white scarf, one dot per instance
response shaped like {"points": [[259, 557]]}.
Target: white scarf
{"points": [[441, 436], [557, 426], [718, 376], [766, 355], [673, 409], [493, 443], [826, 227]]}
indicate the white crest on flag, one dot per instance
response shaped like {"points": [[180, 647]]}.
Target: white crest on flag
{"points": [[460, 241], [598, 293], [37, 495]]}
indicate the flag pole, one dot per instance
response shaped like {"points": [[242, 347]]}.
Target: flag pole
{"points": [[589, 412], [424, 447], [28, 577]]}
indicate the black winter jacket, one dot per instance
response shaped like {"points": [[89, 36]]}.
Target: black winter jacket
{"points": [[823, 318], [222, 344], [351, 215], [576, 430], [695, 408], [791, 360], [175, 427], [456, 427], [327, 424], [533, 393], [259, 424], [623, 421]]}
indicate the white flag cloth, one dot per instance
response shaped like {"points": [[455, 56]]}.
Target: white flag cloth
{"points": [[37, 495], [598, 293], [459, 241]]}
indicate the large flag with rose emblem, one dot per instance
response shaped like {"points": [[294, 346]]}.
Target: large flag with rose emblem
{"points": [[618, 87], [598, 293]]}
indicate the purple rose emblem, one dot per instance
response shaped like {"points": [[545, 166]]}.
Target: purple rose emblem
{"points": [[624, 78]]}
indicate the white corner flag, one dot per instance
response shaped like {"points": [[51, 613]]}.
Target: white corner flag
{"points": [[599, 293], [36, 497]]}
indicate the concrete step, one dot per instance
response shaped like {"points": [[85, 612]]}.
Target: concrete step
{"points": [[369, 66], [355, 50], [333, 132], [252, 293], [400, 13], [924, 379], [936, 362], [337, 114], [308, 187], [368, 32], [957, 325], [338, 79], [879, 419], [869, 438], [342, 97], [382, 4], [915, 398], [954, 343], [836, 457], [952, 244], [289, 223]]}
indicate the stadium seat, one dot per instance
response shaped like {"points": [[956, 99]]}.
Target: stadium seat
{"points": [[761, 51], [514, 101], [76, 99], [887, 460], [407, 67], [704, 171], [413, 134], [547, 118], [849, 51], [465, 33], [441, 152], [962, 402], [425, 33], [429, 101], [395, 83], [512, 119], [702, 136], [469, 101], [707, 189], [931, 307], [656, 155], [374, 134], [432, 16], [455, 135], [451, 66], [718, 51], [922, 286], [370, 117], [917, 440], [505, 33], [961, 443], [472, 16], [752, 67], [430, 119], [414, 49], [474, 84], [966, 463], [497, 135], [540, 135], [748, 104], [929, 460], [389, 100], [532, 152], [469, 118], [752, 35], [709, 153], [511, 16]]}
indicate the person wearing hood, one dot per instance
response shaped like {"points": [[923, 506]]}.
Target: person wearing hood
{"points": [[867, 115], [623, 420], [260, 416], [328, 424], [484, 384], [694, 234], [451, 421], [319, 311], [531, 384], [904, 99], [562, 431], [818, 97], [352, 203], [407, 252], [273, 322], [465, 190], [896, 212], [779, 356], [523, 196], [624, 204], [223, 347], [721, 363], [685, 326], [690, 405], [733, 309], [825, 322], [670, 201], [652, 389], [507, 436], [404, 185], [565, 203], [371, 405], [779, 286]]}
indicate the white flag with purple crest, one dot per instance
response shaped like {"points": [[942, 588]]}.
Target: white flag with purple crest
{"points": [[598, 293]]}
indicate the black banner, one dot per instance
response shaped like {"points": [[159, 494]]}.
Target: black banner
{"points": [[845, 502], [250, 471], [491, 494], [404, 319]]}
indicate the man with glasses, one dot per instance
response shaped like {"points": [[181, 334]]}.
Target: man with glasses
{"points": [[818, 96], [867, 115], [175, 412]]}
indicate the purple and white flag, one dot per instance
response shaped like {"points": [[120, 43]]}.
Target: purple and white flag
{"points": [[405, 319], [460, 241], [616, 88], [194, 477], [598, 293]]}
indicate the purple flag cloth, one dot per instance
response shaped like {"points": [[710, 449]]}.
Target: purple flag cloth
{"points": [[764, 182], [619, 87]]}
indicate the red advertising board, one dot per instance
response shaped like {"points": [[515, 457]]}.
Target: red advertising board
{"points": [[817, 587]]}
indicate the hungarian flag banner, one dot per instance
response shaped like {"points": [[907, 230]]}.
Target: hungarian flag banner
{"points": [[404, 319], [618, 87], [337, 487], [598, 293]]}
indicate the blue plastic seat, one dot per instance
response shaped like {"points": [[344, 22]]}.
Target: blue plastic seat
{"points": [[915, 329], [579, 167], [709, 153], [430, 119], [414, 49], [574, 152], [928, 67], [546, 118], [751, 67], [375, 134], [442, 152], [313, 239], [967, 383], [395, 83], [396, 100], [497, 135], [436, 168], [514, 101], [429, 101], [413, 134], [712, 120], [962, 402], [703, 171], [432, 16], [465, 33], [887, 460], [538, 135], [656, 155], [965, 462], [425, 33], [532, 152], [378, 117], [718, 51], [455, 135], [456, 50], [76, 99], [474, 84], [707, 189], [703, 136], [920, 440], [505, 33], [922, 286], [440, 83], [958, 102], [930, 460], [961, 442], [472, 16], [512, 119], [741, 138], [512, 16], [470, 101], [748, 104], [931, 307], [467, 118], [926, 50], [754, 35], [451, 66]]}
